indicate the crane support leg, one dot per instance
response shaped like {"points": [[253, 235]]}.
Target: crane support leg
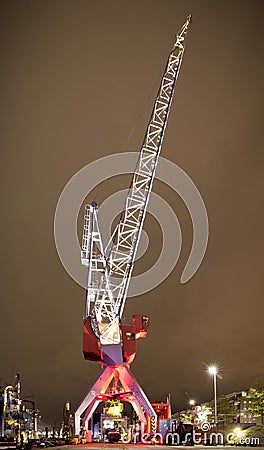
{"points": [[128, 391], [99, 387]]}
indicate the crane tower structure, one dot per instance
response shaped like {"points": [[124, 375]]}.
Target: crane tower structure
{"points": [[105, 338]]}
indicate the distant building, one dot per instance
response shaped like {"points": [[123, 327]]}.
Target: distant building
{"points": [[243, 402]]}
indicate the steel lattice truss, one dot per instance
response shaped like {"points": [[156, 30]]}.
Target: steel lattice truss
{"points": [[93, 256], [109, 270]]}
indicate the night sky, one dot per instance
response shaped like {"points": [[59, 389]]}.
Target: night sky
{"points": [[76, 78]]}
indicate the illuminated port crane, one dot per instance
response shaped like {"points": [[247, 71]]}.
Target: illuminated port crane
{"points": [[105, 339]]}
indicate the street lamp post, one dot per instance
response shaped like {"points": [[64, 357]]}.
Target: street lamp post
{"points": [[213, 371]]}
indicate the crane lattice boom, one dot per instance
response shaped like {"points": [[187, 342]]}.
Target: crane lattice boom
{"points": [[107, 288]]}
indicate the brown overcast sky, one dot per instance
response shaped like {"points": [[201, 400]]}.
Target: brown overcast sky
{"points": [[76, 77]]}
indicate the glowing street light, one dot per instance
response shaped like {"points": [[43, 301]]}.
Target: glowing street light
{"points": [[213, 371], [192, 402]]}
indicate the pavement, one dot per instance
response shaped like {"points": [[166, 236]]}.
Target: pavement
{"points": [[102, 446]]}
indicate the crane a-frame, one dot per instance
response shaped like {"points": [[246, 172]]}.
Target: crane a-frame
{"points": [[105, 338]]}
